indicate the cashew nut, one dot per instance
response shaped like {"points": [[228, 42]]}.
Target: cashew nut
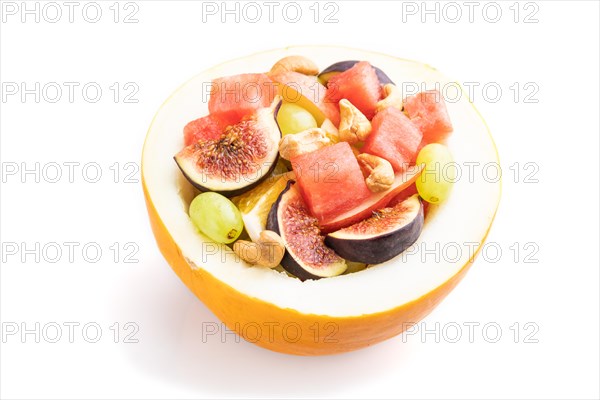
{"points": [[331, 131], [307, 141], [380, 172], [266, 252], [393, 98], [299, 64], [354, 126]]}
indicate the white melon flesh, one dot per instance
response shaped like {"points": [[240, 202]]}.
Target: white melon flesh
{"points": [[461, 223]]}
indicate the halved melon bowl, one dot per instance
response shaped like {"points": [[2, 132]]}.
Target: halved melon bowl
{"points": [[342, 313]]}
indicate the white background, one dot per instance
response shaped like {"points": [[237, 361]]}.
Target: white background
{"points": [[557, 216]]}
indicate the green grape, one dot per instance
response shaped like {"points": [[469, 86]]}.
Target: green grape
{"points": [[435, 183], [293, 119], [217, 217]]}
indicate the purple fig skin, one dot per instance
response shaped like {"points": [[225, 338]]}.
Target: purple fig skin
{"points": [[228, 193], [288, 262], [342, 66], [380, 248]]}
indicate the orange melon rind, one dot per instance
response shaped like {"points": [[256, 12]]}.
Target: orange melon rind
{"points": [[330, 315]]}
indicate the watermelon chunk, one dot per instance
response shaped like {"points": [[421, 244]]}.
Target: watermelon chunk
{"points": [[205, 128], [330, 181], [234, 97], [359, 85], [403, 195], [394, 137], [427, 110]]}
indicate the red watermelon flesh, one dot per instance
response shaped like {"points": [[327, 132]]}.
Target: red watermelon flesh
{"points": [[403, 195], [234, 97], [359, 85], [205, 128], [394, 137], [330, 181], [427, 110]]}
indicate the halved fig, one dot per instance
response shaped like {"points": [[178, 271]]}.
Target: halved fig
{"points": [[244, 154], [375, 201], [342, 66], [387, 233], [306, 256]]}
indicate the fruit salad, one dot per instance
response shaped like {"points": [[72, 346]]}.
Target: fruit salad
{"points": [[316, 172]]}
